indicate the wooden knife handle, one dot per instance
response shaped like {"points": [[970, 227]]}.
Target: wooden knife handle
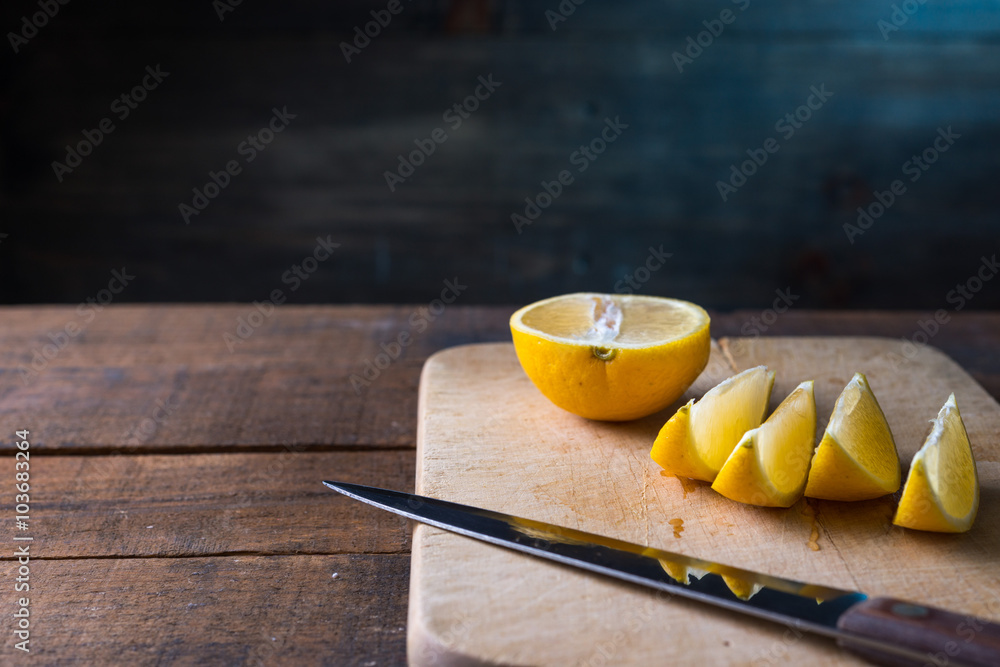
{"points": [[935, 637]]}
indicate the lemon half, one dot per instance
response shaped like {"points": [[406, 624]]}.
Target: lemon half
{"points": [[611, 356]]}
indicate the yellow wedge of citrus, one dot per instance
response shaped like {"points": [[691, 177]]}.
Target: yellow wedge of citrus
{"points": [[771, 462], [698, 439], [611, 356], [942, 490], [856, 459]]}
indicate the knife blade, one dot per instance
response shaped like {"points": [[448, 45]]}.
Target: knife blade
{"points": [[883, 630]]}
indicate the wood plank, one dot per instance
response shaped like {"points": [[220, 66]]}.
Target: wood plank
{"points": [[210, 504], [134, 335], [209, 408], [487, 438], [228, 610], [162, 379], [289, 383]]}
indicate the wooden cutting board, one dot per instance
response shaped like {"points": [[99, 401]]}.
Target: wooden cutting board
{"points": [[488, 438]]}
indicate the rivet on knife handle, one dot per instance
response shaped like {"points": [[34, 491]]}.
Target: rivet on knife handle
{"points": [[942, 637]]}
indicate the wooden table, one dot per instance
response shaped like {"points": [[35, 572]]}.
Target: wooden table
{"points": [[176, 509]]}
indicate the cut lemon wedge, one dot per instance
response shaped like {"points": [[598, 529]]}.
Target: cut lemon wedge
{"points": [[856, 459], [942, 489], [698, 439], [770, 464], [611, 356]]}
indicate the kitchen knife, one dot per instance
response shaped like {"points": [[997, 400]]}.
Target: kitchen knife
{"points": [[883, 630]]}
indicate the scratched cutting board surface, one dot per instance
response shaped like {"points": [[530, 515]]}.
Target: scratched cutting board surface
{"points": [[488, 438]]}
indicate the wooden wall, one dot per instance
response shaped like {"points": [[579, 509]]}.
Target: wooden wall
{"points": [[655, 185]]}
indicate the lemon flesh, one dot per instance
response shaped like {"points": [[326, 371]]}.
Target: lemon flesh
{"points": [[611, 356], [770, 464], [856, 459], [698, 439], [674, 448], [942, 489]]}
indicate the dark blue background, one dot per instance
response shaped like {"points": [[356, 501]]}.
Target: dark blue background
{"points": [[656, 185]]}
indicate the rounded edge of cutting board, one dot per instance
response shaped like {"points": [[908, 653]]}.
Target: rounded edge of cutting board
{"points": [[425, 646]]}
